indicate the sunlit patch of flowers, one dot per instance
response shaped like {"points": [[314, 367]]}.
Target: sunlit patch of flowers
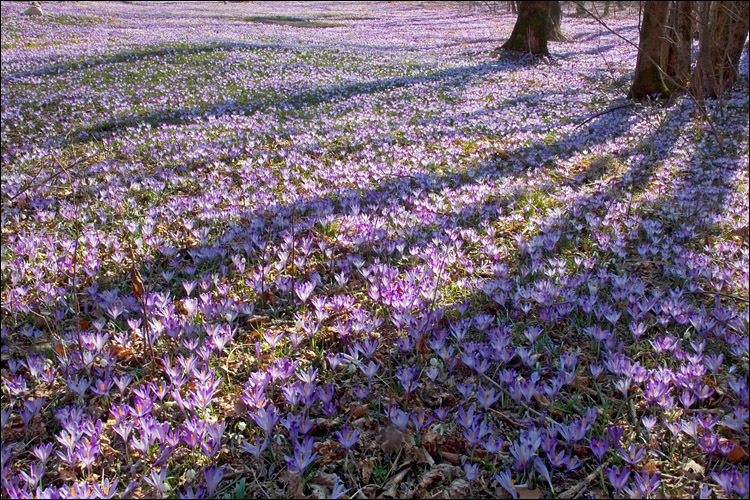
{"points": [[234, 250]]}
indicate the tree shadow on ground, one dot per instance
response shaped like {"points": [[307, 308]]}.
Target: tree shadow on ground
{"points": [[296, 101]]}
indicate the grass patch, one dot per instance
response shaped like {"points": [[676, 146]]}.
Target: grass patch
{"points": [[297, 22]]}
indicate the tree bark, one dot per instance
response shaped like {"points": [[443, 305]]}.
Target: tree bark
{"points": [[530, 31], [648, 81], [723, 30], [676, 51], [554, 27]]}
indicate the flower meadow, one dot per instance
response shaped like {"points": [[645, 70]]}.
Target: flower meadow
{"points": [[349, 250]]}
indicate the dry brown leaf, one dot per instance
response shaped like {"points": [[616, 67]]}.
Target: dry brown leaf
{"points": [[541, 399], [329, 451], [393, 440], [137, 282], [296, 486], [650, 468], [458, 489], [738, 454], [366, 471], [695, 467], [527, 494], [451, 457], [435, 474], [401, 475], [429, 440], [422, 347], [389, 490], [120, 352], [580, 450], [319, 491], [422, 456], [325, 478], [67, 474], [60, 350], [359, 411]]}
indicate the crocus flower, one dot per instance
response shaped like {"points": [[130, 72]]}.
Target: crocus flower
{"points": [[647, 483], [156, 479], [213, 475], [633, 455], [725, 479], [599, 447], [338, 490], [303, 456], [649, 422], [421, 420], [618, 478], [506, 481], [740, 482], [106, 490], [347, 437], [257, 448], [615, 433], [471, 470], [266, 418]]}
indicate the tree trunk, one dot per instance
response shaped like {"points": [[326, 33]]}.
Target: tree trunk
{"points": [[648, 81], [554, 29], [676, 51], [513, 7], [723, 30], [530, 32]]}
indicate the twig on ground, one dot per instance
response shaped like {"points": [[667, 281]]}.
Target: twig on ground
{"points": [[602, 113], [49, 177], [722, 294], [576, 489]]}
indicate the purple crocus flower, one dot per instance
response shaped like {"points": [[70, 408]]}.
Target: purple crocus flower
{"points": [[649, 421], [599, 447], [708, 442], [266, 418], [647, 483], [557, 458], [347, 437], [213, 475], [361, 391], [399, 417], [633, 456], [740, 482], [338, 490], [615, 433], [471, 470], [257, 448], [36, 471], [618, 478], [156, 479], [408, 378], [421, 420], [492, 444], [303, 456], [43, 451], [106, 490], [725, 479], [506, 481]]}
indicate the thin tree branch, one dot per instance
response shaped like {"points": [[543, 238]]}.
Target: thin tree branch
{"points": [[687, 91]]}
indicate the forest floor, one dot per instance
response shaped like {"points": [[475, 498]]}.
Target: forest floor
{"points": [[286, 250]]}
